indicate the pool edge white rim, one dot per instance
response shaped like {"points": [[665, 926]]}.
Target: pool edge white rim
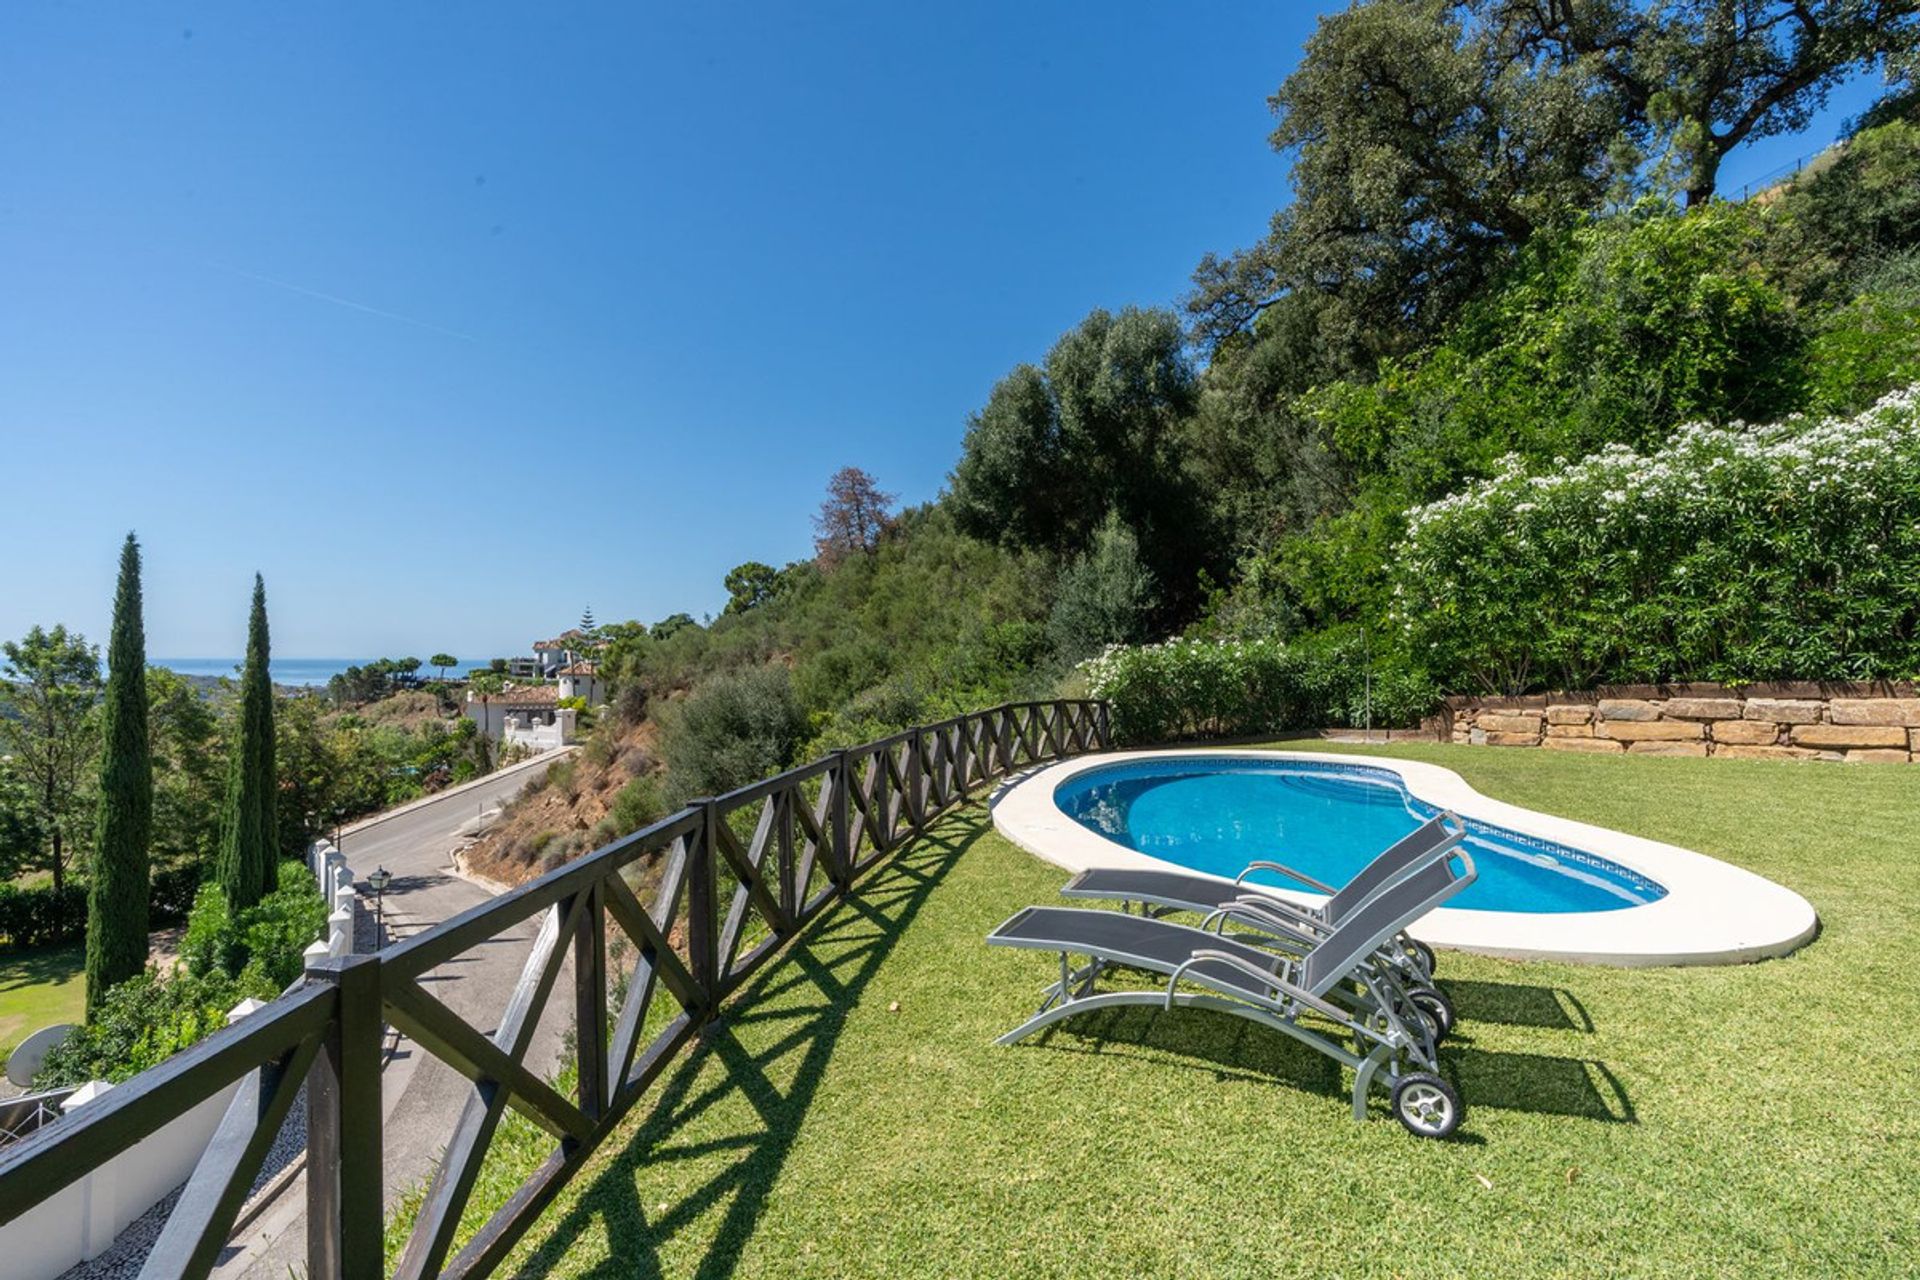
{"points": [[1713, 912]]}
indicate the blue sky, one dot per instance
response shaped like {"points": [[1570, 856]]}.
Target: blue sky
{"points": [[453, 319]]}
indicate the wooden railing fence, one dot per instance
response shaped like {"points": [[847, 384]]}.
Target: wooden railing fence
{"points": [[730, 879]]}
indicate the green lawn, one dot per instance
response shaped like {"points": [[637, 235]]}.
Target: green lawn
{"points": [[1757, 1120], [39, 988]]}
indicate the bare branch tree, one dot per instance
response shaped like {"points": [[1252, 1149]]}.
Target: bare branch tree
{"points": [[853, 519]]}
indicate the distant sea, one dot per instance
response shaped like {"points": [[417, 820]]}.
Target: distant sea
{"points": [[287, 671]]}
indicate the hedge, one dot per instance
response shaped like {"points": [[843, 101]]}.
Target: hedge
{"points": [[1730, 554], [1239, 688], [41, 917]]}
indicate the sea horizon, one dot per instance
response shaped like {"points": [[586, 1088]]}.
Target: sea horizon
{"points": [[300, 672]]}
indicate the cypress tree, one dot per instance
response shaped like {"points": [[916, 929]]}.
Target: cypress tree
{"points": [[248, 865], [117, 896]]}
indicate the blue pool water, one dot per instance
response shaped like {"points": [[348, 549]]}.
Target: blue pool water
{"points": [[1218, 813]]}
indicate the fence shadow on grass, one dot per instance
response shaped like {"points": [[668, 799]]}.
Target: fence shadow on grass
{"points": [[837, 958]]}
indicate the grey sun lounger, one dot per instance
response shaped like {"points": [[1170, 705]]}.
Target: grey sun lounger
{"points": [[1335, 983], [1292, 922]]}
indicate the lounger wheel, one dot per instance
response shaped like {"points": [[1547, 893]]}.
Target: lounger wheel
{"points": [[1426, 1105], [1433, 1003], [1425, 953]]}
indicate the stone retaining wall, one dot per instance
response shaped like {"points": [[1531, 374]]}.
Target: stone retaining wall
{"points": [[1867, 722]]}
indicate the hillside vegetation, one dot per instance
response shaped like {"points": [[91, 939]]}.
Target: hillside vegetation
{"points": [[1501, 269]]}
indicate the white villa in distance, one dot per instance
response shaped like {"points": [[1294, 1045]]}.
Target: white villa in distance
{"points": [[530, 715]]}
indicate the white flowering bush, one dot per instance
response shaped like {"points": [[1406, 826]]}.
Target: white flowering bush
{"points": [[1233, 688], [1741, 553]]}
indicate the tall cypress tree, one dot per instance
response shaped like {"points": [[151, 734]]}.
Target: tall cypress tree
{"points": [[248, 865], [117, 897]]}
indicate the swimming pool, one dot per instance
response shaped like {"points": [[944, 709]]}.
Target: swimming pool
{"points": [[1217, 814], [1550, 887]]}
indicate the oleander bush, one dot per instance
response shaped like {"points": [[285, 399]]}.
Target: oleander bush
{"points": [[1199, 688], [1734, 554]]}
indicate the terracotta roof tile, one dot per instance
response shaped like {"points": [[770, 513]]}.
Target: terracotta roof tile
{"points": [[539, 695]]}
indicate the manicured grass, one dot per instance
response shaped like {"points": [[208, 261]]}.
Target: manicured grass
{"points": [[39, 988], [1754, 1120]]}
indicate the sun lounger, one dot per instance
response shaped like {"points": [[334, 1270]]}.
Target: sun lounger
{"points": [[1295, 922], [1328, 997]]}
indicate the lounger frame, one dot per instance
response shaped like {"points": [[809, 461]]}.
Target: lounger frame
{"points": [[1382, 1042]]}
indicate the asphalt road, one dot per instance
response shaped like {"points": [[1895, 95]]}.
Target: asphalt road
{"points": [[422, 1096]]}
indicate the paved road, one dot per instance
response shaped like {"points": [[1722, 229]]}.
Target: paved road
{"points": [[422, 1096]]}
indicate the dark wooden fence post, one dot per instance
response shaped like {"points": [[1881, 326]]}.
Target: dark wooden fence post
{"points": [[912, 778], [840, 863], [346, 1213], [702, 938], [590, 1005], [791, 894]]}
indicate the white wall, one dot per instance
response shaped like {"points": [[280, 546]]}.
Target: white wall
{"points": [[81, 1219]]}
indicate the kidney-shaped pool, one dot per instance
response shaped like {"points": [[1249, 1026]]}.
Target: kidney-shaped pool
{"points": [[1547, 886], [1219, 813]]}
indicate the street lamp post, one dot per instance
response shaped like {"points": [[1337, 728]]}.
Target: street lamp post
{"points": [[379, 879]]}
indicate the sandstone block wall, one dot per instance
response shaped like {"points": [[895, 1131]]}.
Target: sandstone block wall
{"points": [[1875, 723]]}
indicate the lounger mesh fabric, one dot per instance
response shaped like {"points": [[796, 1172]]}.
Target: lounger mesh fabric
{"points": [[1207, 893], [1384, 869], [1363, 930], [1121, 938]]}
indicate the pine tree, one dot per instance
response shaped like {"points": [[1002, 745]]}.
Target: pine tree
{"points": [[248, 864], [117, 897]]}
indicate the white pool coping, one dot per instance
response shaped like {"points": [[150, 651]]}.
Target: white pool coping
{"points": [[1713, 912]]}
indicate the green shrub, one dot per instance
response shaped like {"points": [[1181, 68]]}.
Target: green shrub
{"points": [[278, 929], [42, 916], [1788, 552], [641, 802], [146, 1020], [211, 944], [1870, 345], [1234, 688], [730, 731], [268, 939], [1103, 597], [173, 893]]}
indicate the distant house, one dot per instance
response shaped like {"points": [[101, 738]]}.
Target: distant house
{"points": [[529, 716], [563, 650], [582, 680]]}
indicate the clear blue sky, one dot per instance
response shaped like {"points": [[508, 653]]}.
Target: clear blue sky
{"points": [[451, 319]]}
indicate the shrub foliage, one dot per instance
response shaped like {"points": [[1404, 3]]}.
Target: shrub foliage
{"points": [[1234, 688], [1731, 554]]}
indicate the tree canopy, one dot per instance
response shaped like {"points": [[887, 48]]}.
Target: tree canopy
{"points": [[51, 682], [853, 518], [248, 863], [122, 860], [1095, 430]]}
